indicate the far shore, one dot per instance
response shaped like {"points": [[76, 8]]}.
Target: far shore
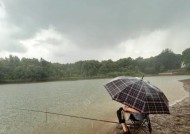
{"points": [[50, 80], [69, 79]]}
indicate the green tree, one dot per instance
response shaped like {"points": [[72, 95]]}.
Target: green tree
{"points": [[186, 58], [107, 67], [90, 68], [126, 63], [150, 65], [167, 60]]}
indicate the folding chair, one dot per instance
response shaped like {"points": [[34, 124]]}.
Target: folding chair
{"points": [[140, 123]]}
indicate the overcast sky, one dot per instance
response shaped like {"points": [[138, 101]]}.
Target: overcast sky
{"points": [[67, 31]]}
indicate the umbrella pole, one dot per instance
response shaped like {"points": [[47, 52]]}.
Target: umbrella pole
{"points": [[46, 115], [142, 77]]}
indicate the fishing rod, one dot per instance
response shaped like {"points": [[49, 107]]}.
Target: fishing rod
{"points": [[73, 116]]}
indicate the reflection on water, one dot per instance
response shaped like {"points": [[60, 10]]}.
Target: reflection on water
{"points": [[86, 98]]}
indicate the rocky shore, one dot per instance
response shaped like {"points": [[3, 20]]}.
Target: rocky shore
{"points": [[178, 122]]}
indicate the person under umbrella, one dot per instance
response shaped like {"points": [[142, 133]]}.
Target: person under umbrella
{"points": [[139, 97], [134, 114]]}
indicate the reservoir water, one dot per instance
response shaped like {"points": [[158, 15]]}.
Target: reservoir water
{"points": [[86, 98]]}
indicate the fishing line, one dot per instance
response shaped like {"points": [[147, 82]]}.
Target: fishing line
{"points": [[73, 116]]}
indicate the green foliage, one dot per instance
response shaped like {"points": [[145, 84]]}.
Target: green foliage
{"points": [[186, 58], [15, 69], [167, 60]]}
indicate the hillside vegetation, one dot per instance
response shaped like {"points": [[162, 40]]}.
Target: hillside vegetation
{"points": [[13, 69]]}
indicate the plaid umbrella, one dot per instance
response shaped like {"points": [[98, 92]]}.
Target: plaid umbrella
{"points": [[138, 94]]}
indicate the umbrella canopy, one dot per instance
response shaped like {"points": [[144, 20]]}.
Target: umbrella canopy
{"points": [[138, 94]]}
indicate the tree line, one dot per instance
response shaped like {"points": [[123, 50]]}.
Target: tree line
{"points": [[14, 69]]}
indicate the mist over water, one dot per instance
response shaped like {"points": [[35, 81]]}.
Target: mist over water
{"points": [[86, 98]]}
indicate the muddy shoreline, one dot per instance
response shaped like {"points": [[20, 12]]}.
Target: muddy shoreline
{"points": [[178, 122]]}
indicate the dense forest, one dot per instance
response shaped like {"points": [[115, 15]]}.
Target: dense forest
{"points": [[13, 69]]}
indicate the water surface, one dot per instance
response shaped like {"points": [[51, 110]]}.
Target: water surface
{"points": [[87, 98]]}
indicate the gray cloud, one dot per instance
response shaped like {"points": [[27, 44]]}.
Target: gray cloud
{"points": [[99, 24], [13, 47], [96, 23]]}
